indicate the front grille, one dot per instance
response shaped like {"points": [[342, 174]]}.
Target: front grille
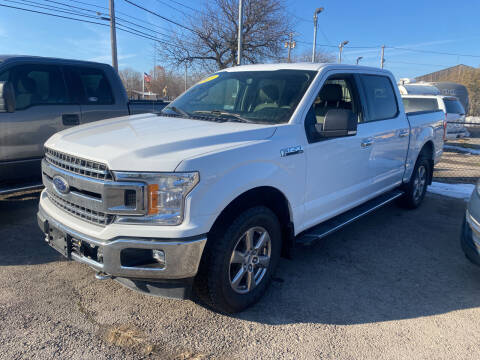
{"points": [[81, 212], [78, 165]]}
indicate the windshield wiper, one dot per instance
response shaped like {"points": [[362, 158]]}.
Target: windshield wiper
{"points": [[223, 114], [177, 110]]}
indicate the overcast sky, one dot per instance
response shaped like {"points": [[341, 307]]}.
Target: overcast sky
{"points": [[425, 25]]}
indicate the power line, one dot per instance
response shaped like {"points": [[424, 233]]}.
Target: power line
{"points": [[433, 52], [50, 7], [161, 17]]}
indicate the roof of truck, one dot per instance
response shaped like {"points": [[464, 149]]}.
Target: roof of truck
{"points": [[12, 58], [299, 66]]}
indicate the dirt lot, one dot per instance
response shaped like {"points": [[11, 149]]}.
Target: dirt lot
{"points": [[394, 285]]}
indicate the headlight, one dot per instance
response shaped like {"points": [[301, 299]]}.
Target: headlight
{"points": [[164, 198]]}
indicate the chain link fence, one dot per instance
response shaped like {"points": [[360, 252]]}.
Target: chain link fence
{"points": [[460, 162]]}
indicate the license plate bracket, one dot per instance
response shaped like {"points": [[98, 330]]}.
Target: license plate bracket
{"points": [[60, 242]]}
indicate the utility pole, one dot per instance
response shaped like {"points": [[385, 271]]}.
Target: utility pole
{"points": [[315, 18], [359, 58], [113, 35], [382, 60], [290, 44], [186, 75], [240, 32], [340, 50]]}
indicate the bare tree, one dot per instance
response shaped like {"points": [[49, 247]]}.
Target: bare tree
{"points": [[320, 57], [213, 41], [132, 80]]}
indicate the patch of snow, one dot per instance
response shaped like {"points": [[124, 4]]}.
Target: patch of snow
{"points": [[462, 149], [458, 191]]}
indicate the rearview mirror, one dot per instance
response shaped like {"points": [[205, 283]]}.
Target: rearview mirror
{"points": [[7, 97], [338, 122]]}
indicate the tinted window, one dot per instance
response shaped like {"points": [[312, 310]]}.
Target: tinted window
{"points": [[380, 97], [256, 96], [38, 85], [453, 107], [89, 86], [420, 104]]}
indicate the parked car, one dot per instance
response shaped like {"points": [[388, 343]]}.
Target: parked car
{"points": [[231, 175], [451, 106], [471, 228], [44, 95]]}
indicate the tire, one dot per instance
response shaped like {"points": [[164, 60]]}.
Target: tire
{"points": [[230, 282], [416, 188]]}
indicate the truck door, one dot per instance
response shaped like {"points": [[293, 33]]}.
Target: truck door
{"points": [[338, 176], [43, 107], [93, 91], [389, 132]]}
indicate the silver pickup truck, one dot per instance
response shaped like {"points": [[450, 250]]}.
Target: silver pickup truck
{"points": [[41, 96]]}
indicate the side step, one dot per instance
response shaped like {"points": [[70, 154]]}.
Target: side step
{"points": [[327, 227], [23, 187]]}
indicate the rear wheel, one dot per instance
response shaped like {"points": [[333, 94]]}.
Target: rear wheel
{"points": [[416, 188], [238, 263]]}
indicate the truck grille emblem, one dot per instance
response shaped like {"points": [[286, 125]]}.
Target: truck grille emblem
{"points": [[61, 185]]}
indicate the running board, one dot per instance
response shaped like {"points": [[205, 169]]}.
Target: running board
{"points": [[26, 187], [327, 227]]}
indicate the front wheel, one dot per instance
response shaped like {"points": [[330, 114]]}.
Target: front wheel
{"points": [[416, 188], [238, 264]]}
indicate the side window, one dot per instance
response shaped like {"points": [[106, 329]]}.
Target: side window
{"points": [[4, 76], [38, 85], [91, 86], [336, 93], [380, 97]]}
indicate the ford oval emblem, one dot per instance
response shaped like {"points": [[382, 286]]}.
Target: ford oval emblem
{"points": [[61, 185]]}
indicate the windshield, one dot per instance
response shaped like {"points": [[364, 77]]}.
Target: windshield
{"points": [[247, 96], [420, 104]]}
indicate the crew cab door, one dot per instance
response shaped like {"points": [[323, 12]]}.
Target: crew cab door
{"points": [[338, 176], [92, 90], [43, 107], [388, 130]]}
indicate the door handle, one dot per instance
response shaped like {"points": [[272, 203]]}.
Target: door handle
{"points": [[404, 133], [367, 143], [70, 119]]}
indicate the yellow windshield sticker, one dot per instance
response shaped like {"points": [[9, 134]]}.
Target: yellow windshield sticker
{"points": [[210, 78]]}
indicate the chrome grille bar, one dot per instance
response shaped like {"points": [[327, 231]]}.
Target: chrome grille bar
{"points": [[78, 165], [82, 212]]}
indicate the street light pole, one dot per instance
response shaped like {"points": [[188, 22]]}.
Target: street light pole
{"points": [[359, 58], [315, 18], [113, 35], [382, 60], [340, 47], [240, 32]]}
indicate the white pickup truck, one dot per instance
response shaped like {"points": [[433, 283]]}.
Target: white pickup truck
{"points": [[250, 161]]}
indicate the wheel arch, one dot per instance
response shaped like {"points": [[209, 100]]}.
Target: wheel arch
{"points": [[269, 197]]}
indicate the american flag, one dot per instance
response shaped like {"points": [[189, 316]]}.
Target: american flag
{"points": [[147, 78]]}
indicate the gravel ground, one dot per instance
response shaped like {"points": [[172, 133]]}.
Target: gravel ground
{"points": [[393, 285]]}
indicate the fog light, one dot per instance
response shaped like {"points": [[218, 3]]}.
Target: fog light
{"points": [[159, 256]]}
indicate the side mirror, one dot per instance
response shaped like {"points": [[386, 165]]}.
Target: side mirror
{"points": [[7, 97], [338, 122]]}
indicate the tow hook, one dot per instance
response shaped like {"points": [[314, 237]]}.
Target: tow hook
{"points": [[102, 276]]}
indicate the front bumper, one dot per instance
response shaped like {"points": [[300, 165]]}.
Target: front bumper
{"points": [[471, 238], [181, 256]]}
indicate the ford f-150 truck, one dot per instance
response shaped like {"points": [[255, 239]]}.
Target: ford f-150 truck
{"points": [[40, 96], [233, 174]]}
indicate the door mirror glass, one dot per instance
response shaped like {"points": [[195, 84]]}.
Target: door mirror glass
{"points": [[338, 122], [7, 97]]}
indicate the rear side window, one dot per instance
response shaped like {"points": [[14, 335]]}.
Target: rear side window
{"points": [[89, 86], [380, 97], [37, 84], [420, 104], [453, 107]]}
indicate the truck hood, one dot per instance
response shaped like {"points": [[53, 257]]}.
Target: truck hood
{"points": [[149, 142]]}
